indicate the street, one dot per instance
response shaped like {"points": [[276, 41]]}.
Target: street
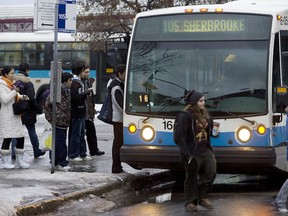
{"points": [[231, 194]]}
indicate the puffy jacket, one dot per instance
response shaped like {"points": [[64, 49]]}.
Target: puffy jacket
{"points": [[63, 109], [27, 88], [117, 88]]}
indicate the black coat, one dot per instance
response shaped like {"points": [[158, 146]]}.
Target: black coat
{"points": [[185, 133], [78, 99], [27, 88]]}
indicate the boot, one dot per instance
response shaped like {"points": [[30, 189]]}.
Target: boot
{"points": [[6, 162], [20, 159]]}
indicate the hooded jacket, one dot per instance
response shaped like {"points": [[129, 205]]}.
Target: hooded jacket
{"points": [[27, 88]]}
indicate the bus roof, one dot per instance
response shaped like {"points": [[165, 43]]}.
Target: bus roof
{"points": [[16, 11], [38, 36], [269, 7]]}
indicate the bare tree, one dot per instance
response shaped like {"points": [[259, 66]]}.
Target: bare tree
{"points": [[101, 19]]}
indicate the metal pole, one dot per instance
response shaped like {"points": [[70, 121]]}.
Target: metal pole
{"points": [[55, 84]]}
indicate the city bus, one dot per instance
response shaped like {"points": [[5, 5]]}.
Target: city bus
{"points": [[236, 54], [36, 48]]}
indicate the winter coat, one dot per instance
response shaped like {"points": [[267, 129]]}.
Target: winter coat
{"points": [[27, 88], [63, 109], [10, 124], [78, 98], [90, 102], [185, 133], [117, 99]]}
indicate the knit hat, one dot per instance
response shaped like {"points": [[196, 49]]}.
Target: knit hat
{"points": [[193, 97]]}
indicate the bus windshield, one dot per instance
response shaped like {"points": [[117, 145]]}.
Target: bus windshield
{"points": [[232, 72]]}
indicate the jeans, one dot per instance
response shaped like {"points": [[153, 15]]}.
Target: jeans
{"points": [[282, 195], [60, 147], [77, 145], [33, 139]]}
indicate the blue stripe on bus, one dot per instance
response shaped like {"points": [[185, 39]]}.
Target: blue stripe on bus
{"points": [[224, 139], [46, 73]]}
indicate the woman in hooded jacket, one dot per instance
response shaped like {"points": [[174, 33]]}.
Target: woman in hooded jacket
{"points": [[10, 124]]}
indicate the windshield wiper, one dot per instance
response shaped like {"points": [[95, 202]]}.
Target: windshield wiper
{"points": [[173, 101], [231, 114]]}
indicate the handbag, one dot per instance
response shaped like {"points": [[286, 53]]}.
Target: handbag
{"points": [[20, 107], [105, 113], [46, 138]]}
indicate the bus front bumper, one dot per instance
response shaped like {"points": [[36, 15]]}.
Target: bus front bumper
{"points": [[229, 159]]}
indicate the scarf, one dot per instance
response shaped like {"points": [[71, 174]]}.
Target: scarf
{"points": [[10, 86]]}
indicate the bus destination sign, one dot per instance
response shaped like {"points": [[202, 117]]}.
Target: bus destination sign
{"points": [[213, 25]]}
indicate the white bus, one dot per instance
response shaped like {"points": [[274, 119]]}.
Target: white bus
{"points": [[236, 54], [36, 49]]}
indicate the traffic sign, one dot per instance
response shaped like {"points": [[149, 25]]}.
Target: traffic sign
{"points": [[44, 14], [67, 17]]}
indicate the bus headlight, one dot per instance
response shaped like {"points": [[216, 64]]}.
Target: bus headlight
{"points": [[244, 134], [148, 133], [132, 128]]}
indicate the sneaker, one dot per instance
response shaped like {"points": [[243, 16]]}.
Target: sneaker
{"points": [[62, 168], [206, 204], [280, 209], [77, 159], [190, 207], [87, 158]]}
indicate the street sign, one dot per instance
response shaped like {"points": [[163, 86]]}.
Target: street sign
{"points": [[44, 14], [67, 16]]}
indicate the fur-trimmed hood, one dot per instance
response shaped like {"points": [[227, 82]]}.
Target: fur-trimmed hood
{"points": [[21, 77]]}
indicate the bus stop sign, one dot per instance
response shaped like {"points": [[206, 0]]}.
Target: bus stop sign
{"points": [[67, 16]]}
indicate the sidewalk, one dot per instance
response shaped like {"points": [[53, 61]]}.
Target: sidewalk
{"points": [[36, 190]]}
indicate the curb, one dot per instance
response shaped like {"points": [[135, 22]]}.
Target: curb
{"points": [[131, 182]]}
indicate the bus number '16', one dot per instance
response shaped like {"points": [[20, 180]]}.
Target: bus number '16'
{"points": [[168, 125]]}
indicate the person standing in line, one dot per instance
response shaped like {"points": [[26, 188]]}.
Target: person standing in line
{"points": [[77, 144], [90, 115], [117, 88], [281, 199], [63, 118], [29, 118], [192, 132], [10, 124]]}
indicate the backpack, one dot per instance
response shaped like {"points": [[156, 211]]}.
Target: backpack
{"points": [[106, 112], [42, 93]]}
